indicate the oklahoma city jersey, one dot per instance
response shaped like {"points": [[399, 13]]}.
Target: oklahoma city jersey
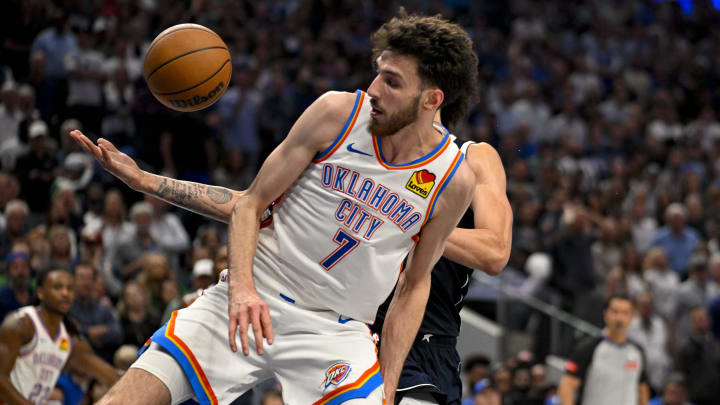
{"points": [[40, 362], [338, 236]]}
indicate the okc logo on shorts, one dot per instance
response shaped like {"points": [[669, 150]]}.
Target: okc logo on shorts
{"points": [[336, 374], [421, 182]]}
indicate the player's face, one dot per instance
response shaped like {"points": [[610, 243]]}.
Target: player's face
{"points": [[619, 314], [58, 292], [395, 94]]}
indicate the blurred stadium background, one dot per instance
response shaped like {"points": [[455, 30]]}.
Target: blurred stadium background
{"points": [[604, 113]]}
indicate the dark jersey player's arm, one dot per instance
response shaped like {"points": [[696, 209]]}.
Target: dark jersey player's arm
{"points": [[411, 293], [487, 246], [15, 332]]}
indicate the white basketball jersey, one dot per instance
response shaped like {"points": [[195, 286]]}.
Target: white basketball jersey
{"points": [[40, 362], [339, 234]]}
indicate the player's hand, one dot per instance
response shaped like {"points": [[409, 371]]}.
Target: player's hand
{"points": [[247, 309], [117, 163]]}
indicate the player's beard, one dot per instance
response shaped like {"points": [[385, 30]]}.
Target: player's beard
{"points": [[397, 121]]}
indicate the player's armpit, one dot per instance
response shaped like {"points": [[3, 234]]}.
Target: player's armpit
{"points": [[83, 357], [15, 331], [408, 304], [487, 245]]}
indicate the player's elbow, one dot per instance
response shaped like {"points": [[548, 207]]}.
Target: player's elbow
{"points": [[496, 264]]}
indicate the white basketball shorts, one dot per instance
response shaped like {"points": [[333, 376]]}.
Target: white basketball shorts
{"points": [[319, 356]]}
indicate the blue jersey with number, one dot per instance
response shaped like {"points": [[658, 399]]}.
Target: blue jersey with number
{"points": [[338, 236], [40, 361]]}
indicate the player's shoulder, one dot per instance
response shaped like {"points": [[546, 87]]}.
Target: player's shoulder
{"points": [[462, 182], [485, 162], [18, 324], [337, 104]]}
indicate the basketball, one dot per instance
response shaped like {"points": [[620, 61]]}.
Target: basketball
{"points": [[188, 67]]}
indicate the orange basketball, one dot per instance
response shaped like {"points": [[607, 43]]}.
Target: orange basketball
{"points": [[187, 67]]}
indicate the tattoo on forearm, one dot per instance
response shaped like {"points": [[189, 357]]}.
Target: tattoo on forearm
{"points": [[181, 192], [219, 195]]}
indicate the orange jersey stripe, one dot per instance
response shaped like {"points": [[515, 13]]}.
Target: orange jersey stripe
{"points": [[345, 388], [169, 333]]}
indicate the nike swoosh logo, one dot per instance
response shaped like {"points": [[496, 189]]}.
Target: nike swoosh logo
{"points": [[346, 320], [353, 150]]}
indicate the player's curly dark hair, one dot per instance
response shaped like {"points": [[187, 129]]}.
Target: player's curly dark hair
{"points": [[444, 53]]}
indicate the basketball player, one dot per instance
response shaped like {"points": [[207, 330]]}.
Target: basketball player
{"points": [[35, 345], [431, 374], [365, 178]]}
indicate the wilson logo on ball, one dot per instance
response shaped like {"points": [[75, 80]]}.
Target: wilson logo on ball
{"points": [[197, 100]]}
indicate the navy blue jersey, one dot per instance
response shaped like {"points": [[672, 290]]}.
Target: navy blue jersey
{"points": [[450, 282]]}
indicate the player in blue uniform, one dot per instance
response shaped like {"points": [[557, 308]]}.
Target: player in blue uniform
{"points": [[431, 374]]}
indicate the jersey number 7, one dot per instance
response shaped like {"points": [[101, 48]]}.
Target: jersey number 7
{"points": [[346, 244]]}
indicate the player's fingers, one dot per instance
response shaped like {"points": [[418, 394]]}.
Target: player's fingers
{"points": [[267, 325], [84, 142], [107, 145], [257, 328], [232, 332], [244, 330], [105, 154]]}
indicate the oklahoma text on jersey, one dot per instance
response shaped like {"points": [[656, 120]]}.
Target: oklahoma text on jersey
{"points": [[372, 194]]}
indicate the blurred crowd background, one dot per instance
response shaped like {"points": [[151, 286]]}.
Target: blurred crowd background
{"points": [[604, 113]]}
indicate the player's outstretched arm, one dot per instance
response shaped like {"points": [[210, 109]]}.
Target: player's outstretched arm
{"points": [[210, 201], [487, 246], [313, 132], [14, 333], [408, 304], [83, 358]]}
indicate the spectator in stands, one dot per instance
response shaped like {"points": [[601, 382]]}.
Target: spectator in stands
{"points": [[676, 238], [674, 392], [37, 168], [55, 43], [203, 274], [573, 270], [692, 293], [85, 68], [60, 247], [16, 213], [9, 190], [128, 259], [170, 298], [475, 368], [661, 281], [138, 322], [155, 271], [714, 274], [650, 331], [607, 250], [18, 292], [699, 360], [167, 231], [96, 320], [113, 230], [610, 360]]}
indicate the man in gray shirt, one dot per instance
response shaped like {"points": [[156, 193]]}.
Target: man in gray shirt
{"points": [[608, 369]]}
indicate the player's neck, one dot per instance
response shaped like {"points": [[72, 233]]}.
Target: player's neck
{"points": [[410, 143], [51, 319]]}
